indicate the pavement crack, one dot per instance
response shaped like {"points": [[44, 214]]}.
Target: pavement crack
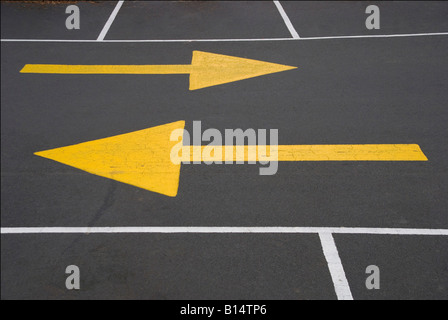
{"points": [[109, 200]]}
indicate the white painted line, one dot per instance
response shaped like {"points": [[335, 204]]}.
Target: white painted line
{"points": [[372, 36], [110, 21], [146, 41], [331, 253], [233, 40], [244, 230], [288, 23], [49, 40]]}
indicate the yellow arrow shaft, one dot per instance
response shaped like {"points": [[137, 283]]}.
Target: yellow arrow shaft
{"points": [[206, 69], [372, 152], [106, 69]]}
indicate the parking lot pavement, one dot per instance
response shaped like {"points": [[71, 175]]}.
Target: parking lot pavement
{"points": [[202, 19], [406, 272], [342, 18], [169, 267], [47, 21], [344, 91]]}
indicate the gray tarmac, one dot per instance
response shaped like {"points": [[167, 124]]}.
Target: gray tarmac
{"points": [[345, 91]]}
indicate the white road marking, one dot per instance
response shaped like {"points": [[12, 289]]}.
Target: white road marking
{"points": [[405, 35], [110, 21], [402, 35], [288, 23], [331, 253], [244, 230]]}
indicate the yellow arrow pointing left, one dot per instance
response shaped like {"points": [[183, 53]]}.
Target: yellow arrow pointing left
{"points": [[206, 69], [143, 158], [140, 158]]}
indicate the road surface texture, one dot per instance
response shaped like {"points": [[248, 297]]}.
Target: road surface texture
{"points": [[389, 89]]}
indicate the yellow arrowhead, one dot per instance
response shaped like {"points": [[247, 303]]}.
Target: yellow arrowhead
{"points": [[140, 158], [209, 69]]}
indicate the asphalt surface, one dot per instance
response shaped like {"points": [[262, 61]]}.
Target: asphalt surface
{"points": [[345, 91]]}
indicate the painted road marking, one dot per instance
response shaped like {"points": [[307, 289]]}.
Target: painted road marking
{"points": [[110, 21], [206, 69], [226, 230], [288, 23], [140, 158], [337, 272], [292, 153], [404, 35], [339, 279], [143, 158]]}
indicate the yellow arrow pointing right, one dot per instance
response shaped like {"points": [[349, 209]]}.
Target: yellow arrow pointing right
{"points": [[206, 69]]}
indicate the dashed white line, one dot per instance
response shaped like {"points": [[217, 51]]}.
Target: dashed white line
{"points": [[288, 23], [211, 230], [110, 21], [337, 272], [408, 35]]}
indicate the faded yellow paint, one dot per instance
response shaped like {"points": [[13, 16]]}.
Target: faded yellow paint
{"points": [[367, 152], [105, 69], [143, 158], [140, 158], [206, 69], [209, 69]]}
